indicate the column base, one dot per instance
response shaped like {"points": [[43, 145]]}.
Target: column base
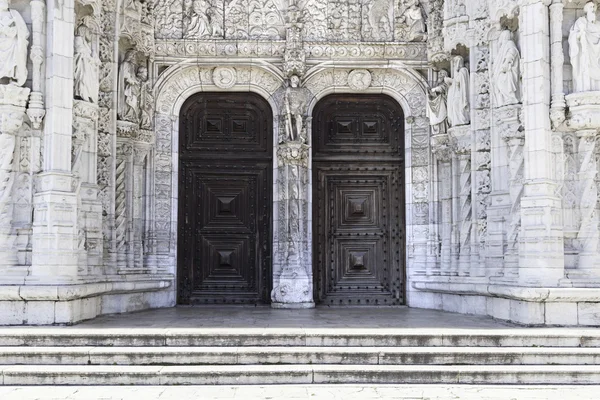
{"points": [[293, 306]]}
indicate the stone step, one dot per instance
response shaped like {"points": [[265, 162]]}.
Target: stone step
{"points": [[298, 374], [231, 337], [298, 355]]}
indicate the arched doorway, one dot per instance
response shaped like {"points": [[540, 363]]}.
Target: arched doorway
{"points": [[225, 199], [358, 200]]}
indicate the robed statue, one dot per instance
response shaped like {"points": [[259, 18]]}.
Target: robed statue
{"points": [[437, 109], [295, 104], [507, 71], [14, 37], [459, 111], [128, 89], [86, 66], [584, 50]]}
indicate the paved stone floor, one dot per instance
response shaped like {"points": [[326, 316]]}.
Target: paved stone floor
{"points": [[291, 392], [266, 317]]}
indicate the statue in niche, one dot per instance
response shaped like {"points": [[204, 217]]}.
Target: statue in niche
{"points": [[507, 71], [86, 66], [584, 50], [128, 89], [459, 111], [14, 37], [202, 20], [437, 109], [414, 20], [146, 99], [295, 104]]}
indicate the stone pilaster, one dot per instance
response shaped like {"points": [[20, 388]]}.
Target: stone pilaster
{"points": [[541, 248], [440, 145], [292, 286], [36, 110], [557, 105]]}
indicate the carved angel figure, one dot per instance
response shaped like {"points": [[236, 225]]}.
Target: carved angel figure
{"points": [[295, 104], [459, 112], [414, 20], [128, 89], [507, 71], [86, 66], [437, 110], [584, 50], [13, 46]]}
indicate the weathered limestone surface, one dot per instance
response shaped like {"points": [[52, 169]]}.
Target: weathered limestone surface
{"points": [[502, 118]]}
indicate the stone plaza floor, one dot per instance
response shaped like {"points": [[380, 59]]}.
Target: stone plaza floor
{"points": [[297, 392]]}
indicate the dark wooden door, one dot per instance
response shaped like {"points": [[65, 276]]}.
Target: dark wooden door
{"points": [[358, 200], [225, 186]]}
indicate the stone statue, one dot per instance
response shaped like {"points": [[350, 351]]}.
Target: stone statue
{"points": [[584, 50], [146, 99], [437, 110], [507, 71], [295, 104], [128, 89], [459, 111], [413, 18], [14, 37], [86, 66], [202, 20]]}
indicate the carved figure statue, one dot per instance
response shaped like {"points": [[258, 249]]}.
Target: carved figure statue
{"points": [[202, 20], [146, 99], [14, 37], [507, 71], [128, 89], [414, 20], [459, 112], [378, 21], [86, 66], [295, 104], [437, 109], [584, 50]]}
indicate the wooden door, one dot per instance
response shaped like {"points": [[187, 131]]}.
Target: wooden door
{"points": [[358, 200], [225, 186]]}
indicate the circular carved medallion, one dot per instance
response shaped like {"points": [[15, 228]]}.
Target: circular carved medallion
{"points": [[359, 79], [224, 77]]}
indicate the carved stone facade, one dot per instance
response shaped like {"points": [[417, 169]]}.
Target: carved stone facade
{"points": [[500, 126]]}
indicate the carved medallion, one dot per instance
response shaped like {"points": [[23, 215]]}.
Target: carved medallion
{"points": [[224, 77], [359, 79]]}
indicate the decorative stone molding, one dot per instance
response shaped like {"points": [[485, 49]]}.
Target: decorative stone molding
{"points": [[224, 77], [293, 154], [359, 79], [584, 110]]}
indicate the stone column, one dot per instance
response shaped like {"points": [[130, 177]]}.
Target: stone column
{"points": [[292, 286], [140, 162], [461, 137], [36, 109], [558, 105], [510, 126], [589, 234], [440, 145], [12, 111], [541, 248], [123, 204]]}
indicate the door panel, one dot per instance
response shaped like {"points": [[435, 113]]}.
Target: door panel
{"points": [[225, 200], [359, 207]]}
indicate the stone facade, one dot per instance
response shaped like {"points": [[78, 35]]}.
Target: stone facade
{"points": [[502, 117]]}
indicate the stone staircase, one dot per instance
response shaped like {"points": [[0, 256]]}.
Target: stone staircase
{"points": [[71, 356]]}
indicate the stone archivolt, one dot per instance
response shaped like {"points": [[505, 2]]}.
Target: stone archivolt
{"points": [[498, 199]]}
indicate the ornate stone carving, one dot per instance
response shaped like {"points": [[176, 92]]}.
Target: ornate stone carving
{"points": [[295, 107], [146, 100], [437, 110], [359, 79], [411, 21], [588, 234], [224, 77], [294, 60], [584, 50], [459, 111], [13, 46], [377, 21], [202, 19], [507, 72], [128, 89], [85, 71]]}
